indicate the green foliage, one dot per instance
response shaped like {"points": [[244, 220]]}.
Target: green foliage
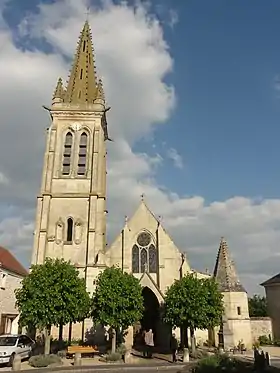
{"points": [[42, 361], [193, 303], [52, 294], [264, 340], [117, 300], [222, 363], [257, 306], [121, 349], [113, 356]]}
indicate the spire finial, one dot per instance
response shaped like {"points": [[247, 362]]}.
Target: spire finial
{"points": [[100, 96], [87, 13]]}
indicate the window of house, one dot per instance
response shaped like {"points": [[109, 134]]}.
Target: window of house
{"points": [[239, 311], [69, 232], [144, 254], [82, 154], [3, 279], [67, 154]]}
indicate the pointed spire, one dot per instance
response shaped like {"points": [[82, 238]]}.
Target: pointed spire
{"points": [[59, 92], [225, 272], [82, 84]]}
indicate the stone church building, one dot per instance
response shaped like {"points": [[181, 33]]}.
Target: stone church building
{"points": [[71, 213]]}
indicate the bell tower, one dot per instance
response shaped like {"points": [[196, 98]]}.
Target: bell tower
{"points": [[71, 212]]}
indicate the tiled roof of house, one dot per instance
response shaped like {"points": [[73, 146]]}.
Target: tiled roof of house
{"points": [[272, 281], [10, 263]]}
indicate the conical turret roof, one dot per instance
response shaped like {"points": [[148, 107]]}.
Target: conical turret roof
{"points": [[225, 272]]}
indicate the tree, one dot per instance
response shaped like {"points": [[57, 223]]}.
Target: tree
{"points": [[193, 303], [257, 306], [117, 301], [52, 294]]}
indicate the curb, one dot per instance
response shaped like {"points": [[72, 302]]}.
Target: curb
{"points": [[107, 367]]}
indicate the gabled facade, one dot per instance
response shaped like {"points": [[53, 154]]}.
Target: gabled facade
{"points": [[142, 243], [11, 276]]}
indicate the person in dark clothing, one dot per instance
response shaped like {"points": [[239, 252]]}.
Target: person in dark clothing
{"points": [[174, 347]]}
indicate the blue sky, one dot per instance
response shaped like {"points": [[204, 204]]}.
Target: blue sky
{"points": [[226, 123], [225, 126]]}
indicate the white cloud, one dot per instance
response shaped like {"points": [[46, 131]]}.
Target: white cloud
{"points": [[175, 157], [3, 179], [133, 58]]}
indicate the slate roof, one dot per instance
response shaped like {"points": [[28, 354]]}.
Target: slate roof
{"points": [[10, 263], [225, 272], [272, 281]]}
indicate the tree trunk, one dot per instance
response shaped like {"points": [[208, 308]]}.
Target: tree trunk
{"points": [[70, 333], [184, 337], [60, 332], [193, 347], [114, 340], [47, 340]]}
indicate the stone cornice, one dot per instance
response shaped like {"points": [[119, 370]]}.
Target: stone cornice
{"points": [[71, 195]]}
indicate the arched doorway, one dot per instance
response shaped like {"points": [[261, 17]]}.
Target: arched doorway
{"points": [[151, 314]]}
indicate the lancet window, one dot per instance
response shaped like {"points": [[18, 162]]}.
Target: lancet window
{"points": [[69, 232], [82, 154], [144, 254], [68, 144]]}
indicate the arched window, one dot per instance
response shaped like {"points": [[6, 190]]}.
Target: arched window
{"points": [[69, 233], [135, 259], [144, 254], [82, 154], [152, 259], [67, 153]]}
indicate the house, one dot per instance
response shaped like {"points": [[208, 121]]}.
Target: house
{"points": [[11, 275], [272, 291]]}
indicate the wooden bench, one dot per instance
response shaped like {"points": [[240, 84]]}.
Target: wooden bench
{"points": [[72, 350]]}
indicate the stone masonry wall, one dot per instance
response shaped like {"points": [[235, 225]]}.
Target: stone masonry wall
{"points": [[261, 326]]}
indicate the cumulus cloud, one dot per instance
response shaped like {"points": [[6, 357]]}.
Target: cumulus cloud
{"points": [[175, 157], [134, 59]]}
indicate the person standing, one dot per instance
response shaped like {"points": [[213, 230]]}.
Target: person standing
{"points": [[174, 348], [149, 343]]}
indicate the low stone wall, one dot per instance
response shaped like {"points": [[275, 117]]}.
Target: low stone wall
{"points": [[261, 326]]}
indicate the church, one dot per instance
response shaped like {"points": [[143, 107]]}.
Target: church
{"points": [[71, 213]]}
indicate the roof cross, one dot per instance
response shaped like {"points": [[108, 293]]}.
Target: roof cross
{"points": [[87, 13]]}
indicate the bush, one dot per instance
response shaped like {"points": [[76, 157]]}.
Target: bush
{"points": [[199, 354], [43, 361], [221, 363], [264, 340], [209, 364], [113, 356], [121, 349]]}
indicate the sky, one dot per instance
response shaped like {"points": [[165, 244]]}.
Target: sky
{"points": [[194, 88]]}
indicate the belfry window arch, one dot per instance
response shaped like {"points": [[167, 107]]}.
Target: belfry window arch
{"points": [[82, 158], [144, 254], [67, 153]]}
